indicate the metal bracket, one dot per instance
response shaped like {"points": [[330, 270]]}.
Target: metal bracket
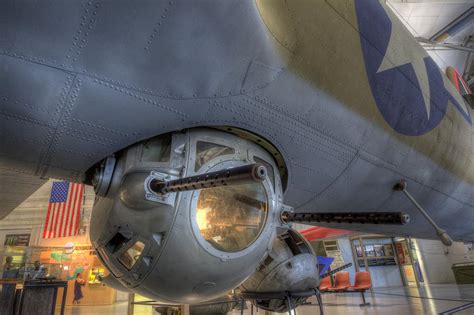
{"points": [[150, 195], [442, 234], [103, 177], [285, 212]]}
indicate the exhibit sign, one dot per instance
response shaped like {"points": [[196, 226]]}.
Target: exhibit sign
{"points": [[17, 239]]}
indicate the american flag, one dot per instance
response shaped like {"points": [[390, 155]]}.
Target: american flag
{"points": [[64, 210]]}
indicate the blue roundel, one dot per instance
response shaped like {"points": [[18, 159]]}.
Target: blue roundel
{"points": [[397, 91]]}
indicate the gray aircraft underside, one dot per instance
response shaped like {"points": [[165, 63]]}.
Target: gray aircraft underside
{"points": [[81, 80]]}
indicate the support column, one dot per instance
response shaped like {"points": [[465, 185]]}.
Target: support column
{"points": [[355, 258], [410, 253], [131, 299], [185, 309], [400, 266], [366, 262]]}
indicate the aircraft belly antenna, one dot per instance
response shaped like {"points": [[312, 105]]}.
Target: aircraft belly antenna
{"points": [[442, 234]]}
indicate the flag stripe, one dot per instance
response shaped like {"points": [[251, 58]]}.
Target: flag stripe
{"points": [[51, 220], [45, 229], [51, 224], [58, 217], [72, 212], [70, 209], [55, 218], [66, 210], [61, 215], [78, 211]]}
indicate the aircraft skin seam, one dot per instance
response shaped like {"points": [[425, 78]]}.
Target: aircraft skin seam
{"points": [[376, 162], [154, 93], [260, 84], [32, 107], [71, 134], [307, 124], [275, 37], [251, 119], [316, 132], [87, 134], [276, 130], [57, 114], [330, 149], [76, 175], [65, 113], [79, 153], [15, 140], [362, 152], [158, 23], [25, 118], [122, 85], [329, 184], [32, 59], [87, 24], [141, 98], [88, 124], [314, 170], [51, 127]]}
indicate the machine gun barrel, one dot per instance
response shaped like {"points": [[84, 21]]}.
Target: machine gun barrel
{"points": [[332, 272], [231, 176], [396, 218]]}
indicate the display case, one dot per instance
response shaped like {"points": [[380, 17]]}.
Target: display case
{"points": [[95, 271], [377, 254], [18, 258], [65, 264]]}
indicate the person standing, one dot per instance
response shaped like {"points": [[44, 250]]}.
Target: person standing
{"points": [[7, 294], [78, 284]]}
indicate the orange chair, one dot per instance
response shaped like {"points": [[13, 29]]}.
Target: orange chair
{"points": [[362, 283], [341, 282], [325, 284]]}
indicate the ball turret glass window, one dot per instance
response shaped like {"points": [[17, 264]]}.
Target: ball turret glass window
{"points": [[230, 218]]}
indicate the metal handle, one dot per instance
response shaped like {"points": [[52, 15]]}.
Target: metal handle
{"points": [[442, 234]]}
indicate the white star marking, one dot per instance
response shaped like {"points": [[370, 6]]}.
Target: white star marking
{"points": [[402, 50]]}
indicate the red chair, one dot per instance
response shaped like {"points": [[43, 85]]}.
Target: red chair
{"points": [[362, 283], [325, 284], [341, 282]]}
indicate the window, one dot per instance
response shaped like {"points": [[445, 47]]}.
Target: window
{"points": [[206, 151], [117, 242], [131, 256], [157, 149], [230, 218]]}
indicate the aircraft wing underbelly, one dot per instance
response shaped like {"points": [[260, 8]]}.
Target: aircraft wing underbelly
{"points": [[15, 188]]}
